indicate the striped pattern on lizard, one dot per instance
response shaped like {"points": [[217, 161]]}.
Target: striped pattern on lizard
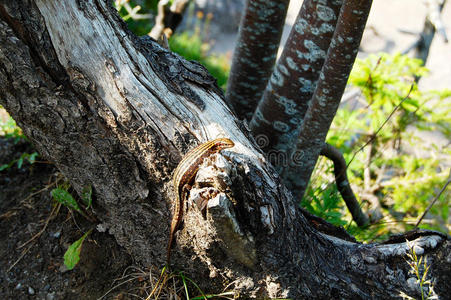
{"points": [[184, 175]]}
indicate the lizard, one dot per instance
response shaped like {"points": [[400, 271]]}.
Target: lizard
{"points": [[184, 175]]}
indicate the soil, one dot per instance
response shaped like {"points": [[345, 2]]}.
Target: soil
{"points": [[36, 270]]}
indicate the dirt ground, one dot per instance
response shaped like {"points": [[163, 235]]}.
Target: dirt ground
{"points": [[33, 268]]}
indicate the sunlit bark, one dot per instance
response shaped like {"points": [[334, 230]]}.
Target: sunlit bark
{"points": [[328, 92], [277, 120]]}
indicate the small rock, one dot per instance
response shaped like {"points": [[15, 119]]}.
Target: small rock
{"points": [[102, 227], [19, 286], [57, 234], [63, 268], [46, 287], [30, 290], [412, 283], [50, 296]]}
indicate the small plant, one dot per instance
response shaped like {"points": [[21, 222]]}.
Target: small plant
{"points": [[9, 128], [420, 269], [382, 123], [24, 157], [325, 203], [61, 195], [191, 47], [72, 255], [139, 15], [165, 276]]}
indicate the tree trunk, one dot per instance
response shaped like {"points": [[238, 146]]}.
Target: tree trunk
{"points": [[116, 112], [255, 53], [279, 115], [328, 92]]}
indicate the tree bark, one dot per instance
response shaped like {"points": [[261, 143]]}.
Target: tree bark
{"points": [[279, 115], [328, 92], [116, 112], [255, 53]]}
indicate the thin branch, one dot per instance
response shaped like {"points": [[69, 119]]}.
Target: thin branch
{"points": [[373, 136], [53, 213], [20, 257], [435, 199]]}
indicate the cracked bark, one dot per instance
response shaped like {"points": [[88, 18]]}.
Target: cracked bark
{"points": [[97, 101]]}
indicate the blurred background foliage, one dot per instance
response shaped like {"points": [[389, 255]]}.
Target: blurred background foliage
{"points": [[391, 117], [191, 44], [395, 165]]}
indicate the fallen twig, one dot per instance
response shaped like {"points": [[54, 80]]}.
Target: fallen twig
{"points": [[55, 211]]}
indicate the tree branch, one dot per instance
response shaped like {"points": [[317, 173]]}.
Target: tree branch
{"points": [[343, 185], [435, 200]]}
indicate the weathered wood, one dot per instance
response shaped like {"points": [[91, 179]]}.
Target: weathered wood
{"points": [[116, 112]]}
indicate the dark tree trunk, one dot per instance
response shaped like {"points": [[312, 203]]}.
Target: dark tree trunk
{"points": [[328, 92], [277, 120], [255, 53], [116, 112]]}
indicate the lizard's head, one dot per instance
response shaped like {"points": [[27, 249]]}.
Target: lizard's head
{"points": [[223, 143]]}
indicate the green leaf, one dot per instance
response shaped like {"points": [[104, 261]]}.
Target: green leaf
{"points": [[86, 196], [72, 255], [182, 276], [20, 161], [65, 198], [32, 157]]}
